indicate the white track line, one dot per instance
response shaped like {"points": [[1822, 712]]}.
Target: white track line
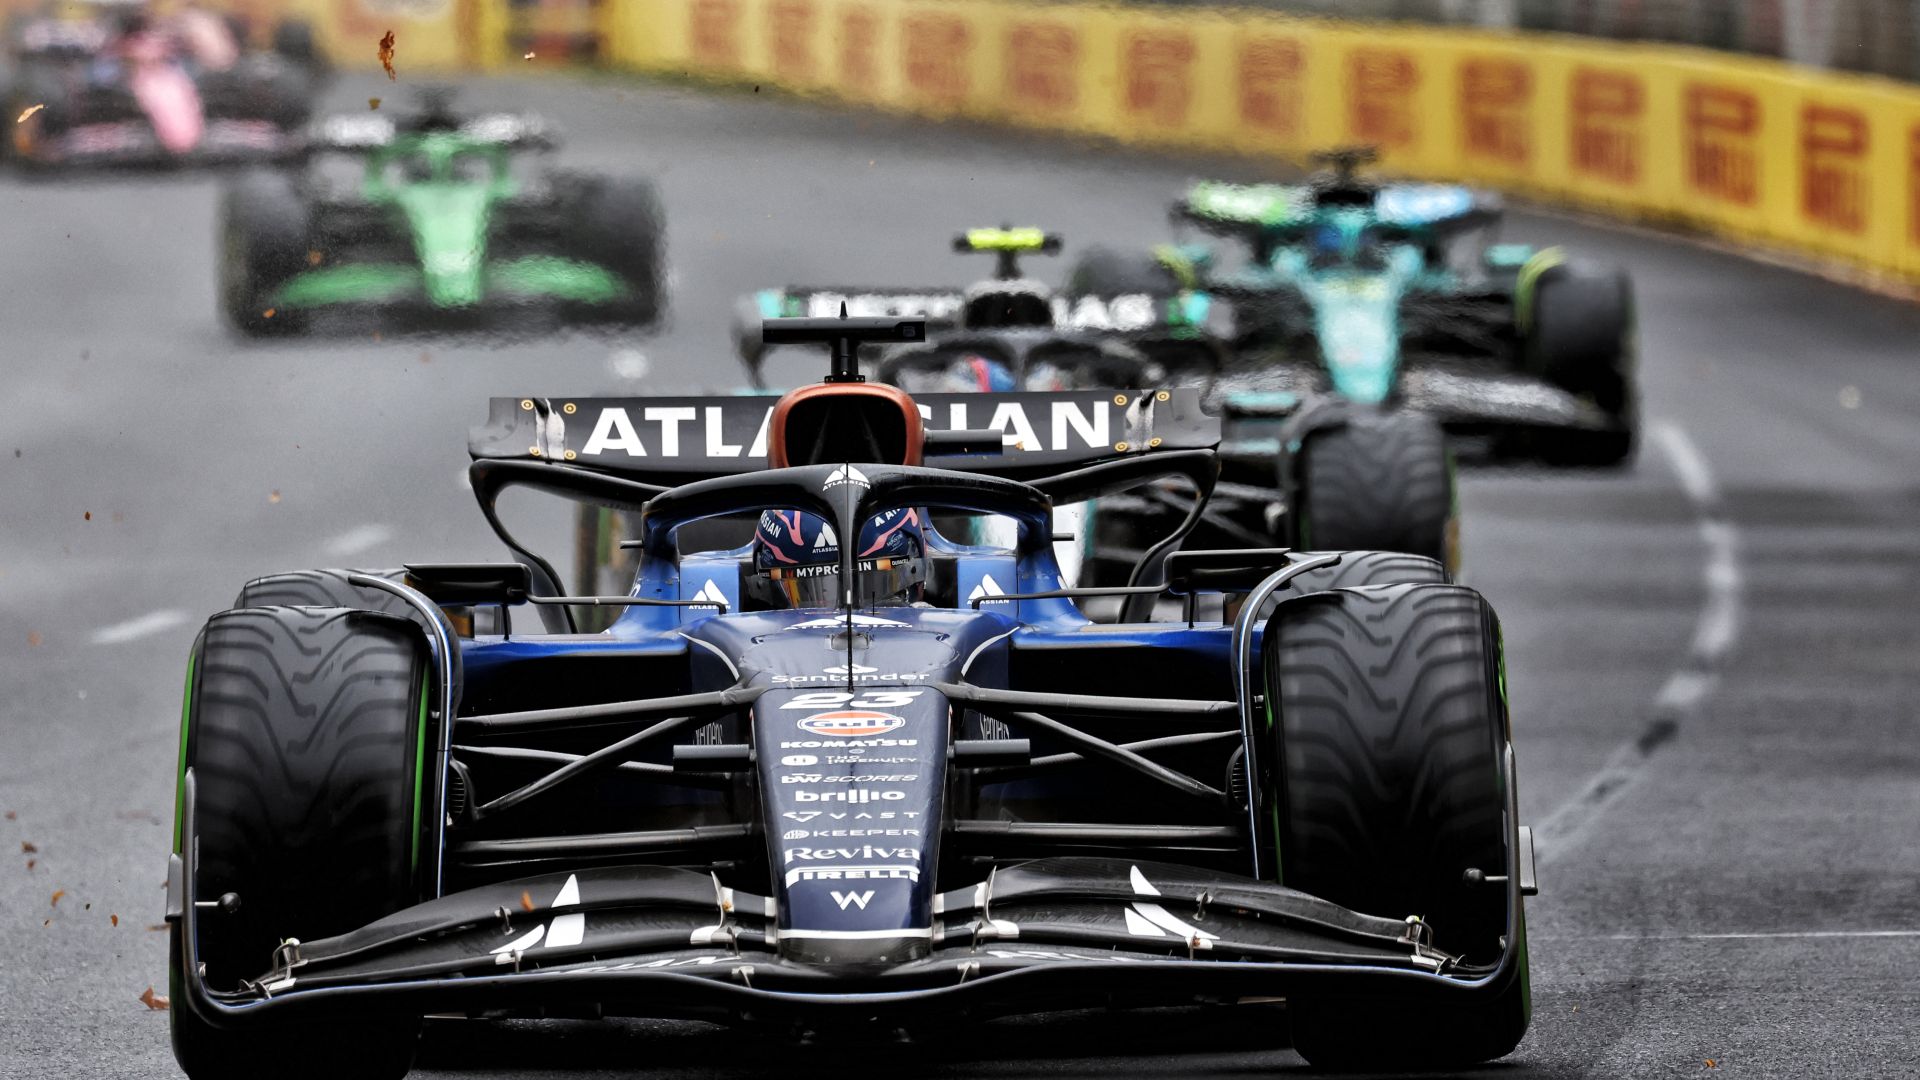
{"points": [[1768, 936], [153, 622], [1715, 632], [354, 541]]}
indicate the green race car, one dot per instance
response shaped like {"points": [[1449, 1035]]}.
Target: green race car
{"points": [[437, 221], [1393, 296]]}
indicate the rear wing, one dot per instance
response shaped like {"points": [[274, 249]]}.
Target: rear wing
{"points": [[1258, 209], [346, 133], [1168, 314], [676, 440]]}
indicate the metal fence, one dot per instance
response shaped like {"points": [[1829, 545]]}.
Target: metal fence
{"points": [[1879, 37]]}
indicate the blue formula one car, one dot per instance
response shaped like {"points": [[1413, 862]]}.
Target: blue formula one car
{"points": [[852, 774], [1394, 295]]}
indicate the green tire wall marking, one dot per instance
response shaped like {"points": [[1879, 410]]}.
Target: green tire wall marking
{"points": [[1279, 852], [180, 775], [1528, 279], [419, 769]]}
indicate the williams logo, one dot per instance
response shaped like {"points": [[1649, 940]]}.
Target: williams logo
{"points": [[851, 723], [845, 474]]}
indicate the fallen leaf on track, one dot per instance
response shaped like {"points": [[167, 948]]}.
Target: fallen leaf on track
{"points": [[30, 865], [386, 54], [115, 919], [526, 901], [57, 894], [373, 103], [30, 110], [28, 849], [156, 1002], [33, 642]]}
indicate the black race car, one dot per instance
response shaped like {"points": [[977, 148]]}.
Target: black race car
{"points": [[1299, 467], [807, 787]]}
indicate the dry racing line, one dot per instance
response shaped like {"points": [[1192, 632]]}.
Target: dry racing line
{"points": [[1714, 634]]}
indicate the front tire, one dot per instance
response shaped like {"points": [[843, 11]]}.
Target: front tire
{"points": [[1387, 783], [1379, 481], [304, 730], [330, 588], [264, 231]]}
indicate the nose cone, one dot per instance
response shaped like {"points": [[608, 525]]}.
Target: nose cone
{"points": [[172, 105], [449, 223]]}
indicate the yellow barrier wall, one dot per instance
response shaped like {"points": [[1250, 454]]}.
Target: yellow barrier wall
{"points": [[1753, 150]]}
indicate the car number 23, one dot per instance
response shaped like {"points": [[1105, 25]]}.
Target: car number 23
{"points": [[840, 699]]}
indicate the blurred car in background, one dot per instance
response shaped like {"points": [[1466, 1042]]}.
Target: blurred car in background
{"points": [[439, 220], [112, 83], [1302, 469], [1395, 295]]}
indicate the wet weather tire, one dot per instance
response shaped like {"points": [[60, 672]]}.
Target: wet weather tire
{"points": [[303, 734], [1380, 481], [619, 225], [330, 588], [1389, 732], [264, 233], [1106, 272], [1367, 568], [1580, 337]]}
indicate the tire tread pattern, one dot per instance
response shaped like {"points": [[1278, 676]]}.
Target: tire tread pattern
{"points": [[1380, 481]]}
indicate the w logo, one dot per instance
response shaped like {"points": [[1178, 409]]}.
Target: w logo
{"points": [[858, 900]]}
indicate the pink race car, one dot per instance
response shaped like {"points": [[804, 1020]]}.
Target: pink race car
{"points": [[119, 86]]}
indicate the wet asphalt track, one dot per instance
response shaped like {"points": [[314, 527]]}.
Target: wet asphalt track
{"points": [[1713, 656]]}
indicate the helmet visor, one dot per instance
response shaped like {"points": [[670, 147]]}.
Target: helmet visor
{"points": [[880, 581]]}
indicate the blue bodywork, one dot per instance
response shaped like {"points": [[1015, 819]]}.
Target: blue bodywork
{"points": [[855, 857]]}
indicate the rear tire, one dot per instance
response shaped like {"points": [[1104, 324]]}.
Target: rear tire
{"points": [[264, 233], [293, 39], [1389, 727], [1381, 481], [303, 728], [618, 223], [1106, 272], [1581, 339]]}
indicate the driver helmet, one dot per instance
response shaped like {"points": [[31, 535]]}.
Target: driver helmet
{"points": [[796, 561]]}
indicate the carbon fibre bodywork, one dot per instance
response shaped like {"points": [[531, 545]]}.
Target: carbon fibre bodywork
{"points": [[980, 799]]}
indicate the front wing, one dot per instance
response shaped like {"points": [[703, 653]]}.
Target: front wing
{"points": [[1051, 934]]}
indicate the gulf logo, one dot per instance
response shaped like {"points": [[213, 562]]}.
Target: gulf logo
{"points": [[851, 723]]}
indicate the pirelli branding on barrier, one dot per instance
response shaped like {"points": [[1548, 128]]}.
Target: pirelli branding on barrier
{"points": [[1758, 151]]}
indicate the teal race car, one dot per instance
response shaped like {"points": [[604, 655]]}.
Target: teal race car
{"points": [[1394, 296], [438, 222]]}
